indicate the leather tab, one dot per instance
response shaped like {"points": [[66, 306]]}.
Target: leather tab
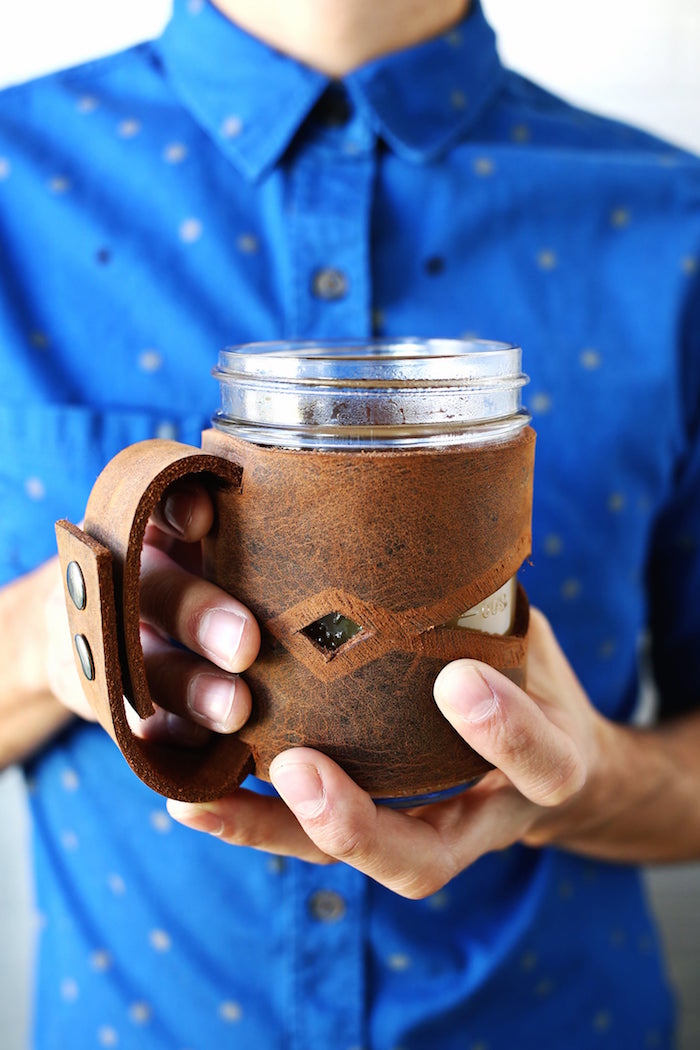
{"points": [[95, 623]]}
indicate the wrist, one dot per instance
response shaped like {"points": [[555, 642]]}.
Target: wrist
{"points": [[639, 803], [29, 710]]}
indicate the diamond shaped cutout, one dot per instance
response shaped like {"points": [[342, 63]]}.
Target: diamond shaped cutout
{"points": [[332, 631]]}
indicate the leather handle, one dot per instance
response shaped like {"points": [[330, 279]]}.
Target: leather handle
{"points": [[101, 568]]}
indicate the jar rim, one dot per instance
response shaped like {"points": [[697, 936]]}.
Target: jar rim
{"points": [[404, 360]]}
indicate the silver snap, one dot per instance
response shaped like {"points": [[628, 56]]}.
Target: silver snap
{"points": [[85, 656], [329, 284], [327, 906], [76, 585]]}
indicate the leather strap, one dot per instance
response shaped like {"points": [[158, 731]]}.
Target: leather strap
{"points": [[402, 542]]}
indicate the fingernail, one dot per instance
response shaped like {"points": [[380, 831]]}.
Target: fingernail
{"points": [[300, 786], [220, 633], [210, 698], [194, 816], [177, 511], [462, 689]]}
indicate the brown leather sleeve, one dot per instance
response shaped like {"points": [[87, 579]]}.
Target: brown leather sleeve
{"points": [[401, 542]]}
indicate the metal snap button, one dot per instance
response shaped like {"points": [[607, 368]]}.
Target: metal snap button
{"points": [[82, 648], [75, 582]]}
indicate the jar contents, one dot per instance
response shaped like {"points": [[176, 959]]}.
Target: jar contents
{"points": [[332, 631], [493, 615]]}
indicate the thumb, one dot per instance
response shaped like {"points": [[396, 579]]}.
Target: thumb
{"points": [[505, 725]]}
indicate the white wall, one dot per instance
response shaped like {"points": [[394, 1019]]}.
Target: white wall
{"points": [[636, 59], [37, 36]]}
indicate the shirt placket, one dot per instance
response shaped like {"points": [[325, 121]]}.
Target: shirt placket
{"points": [[329, 184], [329, 959], [328, 204]]}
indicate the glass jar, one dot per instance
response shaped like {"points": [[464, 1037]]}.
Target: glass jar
{"points": [[383, 394]]}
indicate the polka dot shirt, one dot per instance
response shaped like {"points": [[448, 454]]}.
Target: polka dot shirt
{"points": [[202, 190]]}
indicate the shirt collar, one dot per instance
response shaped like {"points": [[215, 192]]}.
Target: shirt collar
{"points": [[456, 74], [252, 99]]}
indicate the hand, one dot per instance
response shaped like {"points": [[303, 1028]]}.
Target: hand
{"points": [[551, 748], [196, 690]]}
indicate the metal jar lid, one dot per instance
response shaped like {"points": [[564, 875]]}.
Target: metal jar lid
{"points": [[372, 394]]}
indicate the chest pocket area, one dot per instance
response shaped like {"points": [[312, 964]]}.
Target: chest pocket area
{"points": [[51, 455]]}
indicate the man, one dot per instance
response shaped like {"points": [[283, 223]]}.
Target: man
{"points": [[352, 168]]}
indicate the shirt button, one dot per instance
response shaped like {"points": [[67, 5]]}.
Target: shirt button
{"points": [[329, 284], [327, 906]]}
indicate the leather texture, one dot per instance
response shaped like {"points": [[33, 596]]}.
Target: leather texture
{"points": [[401, 542]]}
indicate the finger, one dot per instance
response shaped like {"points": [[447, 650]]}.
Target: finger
{"points": [[185, 512], [329, 818], [547, 664], [165, 727], [504, 725], [412, 853], [247, 819], [197, 613], [490, 815], [396, 849], [190, 687]]}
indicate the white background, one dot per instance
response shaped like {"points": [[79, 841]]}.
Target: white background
{"points": [[634, 59]]}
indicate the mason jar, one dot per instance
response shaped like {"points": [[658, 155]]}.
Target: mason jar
{"points": [[372, 508], [378, 394]]}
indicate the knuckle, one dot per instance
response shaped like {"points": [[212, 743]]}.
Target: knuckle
{"points": [[510, 740], [242, 828], [429, 874], [343, 842], [564, 782], [161, 591], [420, 885], [236, 833]]}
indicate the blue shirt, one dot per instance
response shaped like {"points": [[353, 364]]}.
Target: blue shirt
{"points": [[203, 190]]}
